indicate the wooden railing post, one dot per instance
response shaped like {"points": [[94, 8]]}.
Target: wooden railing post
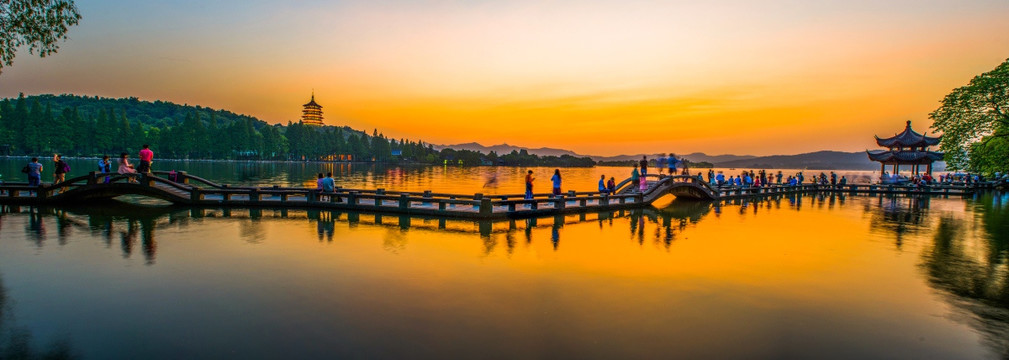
{"points": [[92, 178], [352, 198], [486, 209], [254, 196], [404, 201], [183, 177]]}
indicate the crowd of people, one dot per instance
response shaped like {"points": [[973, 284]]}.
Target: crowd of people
{"points": [[747, 179], [34, 169]]}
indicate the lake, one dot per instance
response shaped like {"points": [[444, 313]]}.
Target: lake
{"points": [[790, 277]]}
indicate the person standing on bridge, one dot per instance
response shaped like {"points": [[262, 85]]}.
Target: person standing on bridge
{"points": [[644, 166], [644, 183], [529, 185], [671, 163], [146, 158], [556, 179], [328, 183], [105, 167], [34, 172]]}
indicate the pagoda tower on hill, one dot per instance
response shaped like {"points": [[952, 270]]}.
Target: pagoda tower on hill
{"points": [[312, 113]]}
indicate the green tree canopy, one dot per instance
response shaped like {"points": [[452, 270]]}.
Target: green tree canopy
{"points": [[39, 24], [974, 121]]}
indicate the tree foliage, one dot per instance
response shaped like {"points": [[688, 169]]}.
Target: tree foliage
{"points": [[974, 121], [38, 24]]}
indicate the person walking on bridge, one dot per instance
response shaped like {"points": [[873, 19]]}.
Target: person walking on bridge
{"points": [[146, 158], [60, 169]]}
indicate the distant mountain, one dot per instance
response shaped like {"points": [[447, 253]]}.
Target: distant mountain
{"points": [[544, 151], [820, 160], [503, 149], [715, 159]]}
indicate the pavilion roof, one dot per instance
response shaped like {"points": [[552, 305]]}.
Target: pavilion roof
{"points": [[908, 138], [904, 157]]}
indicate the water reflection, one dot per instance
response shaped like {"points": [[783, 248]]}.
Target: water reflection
{"points": [[900, 216], [773, 251], [17, 342], [974, 275]]}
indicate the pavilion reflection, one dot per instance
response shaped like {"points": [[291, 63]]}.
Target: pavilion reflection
{"points": [[973, 272], [899, 216]]}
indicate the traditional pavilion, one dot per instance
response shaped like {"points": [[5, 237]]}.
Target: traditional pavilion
{"points": [[312, 113], [906, 148]]}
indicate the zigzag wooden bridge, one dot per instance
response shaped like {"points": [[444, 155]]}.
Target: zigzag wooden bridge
{"points": [[183, 189]]}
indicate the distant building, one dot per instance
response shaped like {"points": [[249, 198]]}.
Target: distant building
{"points": [[906, 148], [312, 113]]}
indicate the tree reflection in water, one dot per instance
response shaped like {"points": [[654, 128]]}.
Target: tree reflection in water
{"points": [[974, 275], [16, 342]]}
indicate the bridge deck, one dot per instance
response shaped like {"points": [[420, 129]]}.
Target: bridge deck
{"points": [[190, 190]]}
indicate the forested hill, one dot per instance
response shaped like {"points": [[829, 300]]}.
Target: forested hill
{"points": [[150, 113], [90, 126]]}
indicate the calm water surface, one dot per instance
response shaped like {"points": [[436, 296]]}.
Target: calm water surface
{"points": [[795, 277]]}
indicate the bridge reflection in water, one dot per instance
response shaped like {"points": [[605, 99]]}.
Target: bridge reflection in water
{"points": [[134, 227]]}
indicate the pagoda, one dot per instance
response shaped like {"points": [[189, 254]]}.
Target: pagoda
{"points": [[312, 113], [906, 148]]}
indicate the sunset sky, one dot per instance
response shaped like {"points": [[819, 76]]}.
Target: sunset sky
{"points": [[600, 77]]}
